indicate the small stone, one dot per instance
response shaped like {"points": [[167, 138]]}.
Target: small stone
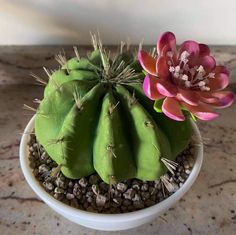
{"points": [[70, 196], [186, 165], [117, 193], [126, 202], [180, 169], [157, 184], [74, 203], [117, 201], [130, 208], [60, 182], [129, 194], [144, 187], [138, 205], [89, 194], [187, 171], [95, 189], [83, 182], [153, 197], [100, 200], [44, 156], [94, 179], [70, 184], [90, 199], [136, 187], [160, 195], [121, 187], [85, 205], [181, 179], [43, 169], [152, 190], [48, 185], [58, 196], [145, 195], [136, 197], [104, 186], [59, 190]]}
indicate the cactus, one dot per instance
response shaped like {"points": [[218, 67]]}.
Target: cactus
{"points": [[95, 118]]}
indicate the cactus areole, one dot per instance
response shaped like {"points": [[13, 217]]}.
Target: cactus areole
{"points": [[94, 117]]}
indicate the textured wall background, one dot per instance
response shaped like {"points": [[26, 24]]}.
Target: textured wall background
{"points": [[69, 21]]}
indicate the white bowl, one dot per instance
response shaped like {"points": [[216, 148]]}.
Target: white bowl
{"points": [[107, 222]]}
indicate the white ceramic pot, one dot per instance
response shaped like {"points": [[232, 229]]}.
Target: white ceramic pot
{"points": [[107, 222]]}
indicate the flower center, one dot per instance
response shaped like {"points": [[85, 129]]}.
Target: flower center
{"points": [[189, 77]]}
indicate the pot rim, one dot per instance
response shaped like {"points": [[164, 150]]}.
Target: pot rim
{"points": [[161, 206]]}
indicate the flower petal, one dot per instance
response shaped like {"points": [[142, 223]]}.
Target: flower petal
{"points": [[166, 39], [189, 96], [191, 47], [162, 67], [206, 97], [166, 88], [171, 108], [150, 89], [224, 99], [220, 82], [203, 49], [208, 62], [201, 111], [221, 69], [147, 62]]}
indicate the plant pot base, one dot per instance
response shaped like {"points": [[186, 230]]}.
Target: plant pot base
{"points": [[103, 221]]}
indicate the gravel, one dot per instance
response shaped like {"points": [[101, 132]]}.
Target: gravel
{"points": [[92, 194]]}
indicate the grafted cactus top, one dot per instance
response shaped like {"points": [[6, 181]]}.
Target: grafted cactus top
{"points": [[95, 118]]}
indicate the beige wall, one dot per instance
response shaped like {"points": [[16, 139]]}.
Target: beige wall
{"points": [[69, 21]]}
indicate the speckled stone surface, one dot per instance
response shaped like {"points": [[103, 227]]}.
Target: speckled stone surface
{"points": [[209, 207]]}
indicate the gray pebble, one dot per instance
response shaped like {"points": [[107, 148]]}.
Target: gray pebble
{"points": [[43, 169], [104, 186], [44, 156], [118, 201], [70, 196], [136, 197], [90, 199], [126, 202], [59, 190], [94, 179], [136, 187], [48, 185], [71, 184], [129, 194], [121, 187], [58, 196], [100, 200], [60, 181], [83, 182], [89, 193], [95, 189], [138, 205], [187, 171], [144, 187], [74, 203], [145, 195]]}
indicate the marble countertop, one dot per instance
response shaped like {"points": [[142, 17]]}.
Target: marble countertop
{"points": [[208, 208]]}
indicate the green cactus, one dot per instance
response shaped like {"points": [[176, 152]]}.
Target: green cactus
{"points": [[95, 118]]}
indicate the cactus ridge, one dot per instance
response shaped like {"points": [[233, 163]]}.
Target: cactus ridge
{"points": [[95, 118]]}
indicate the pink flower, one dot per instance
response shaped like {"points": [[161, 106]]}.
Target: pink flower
{"points": [[187, 79]]}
